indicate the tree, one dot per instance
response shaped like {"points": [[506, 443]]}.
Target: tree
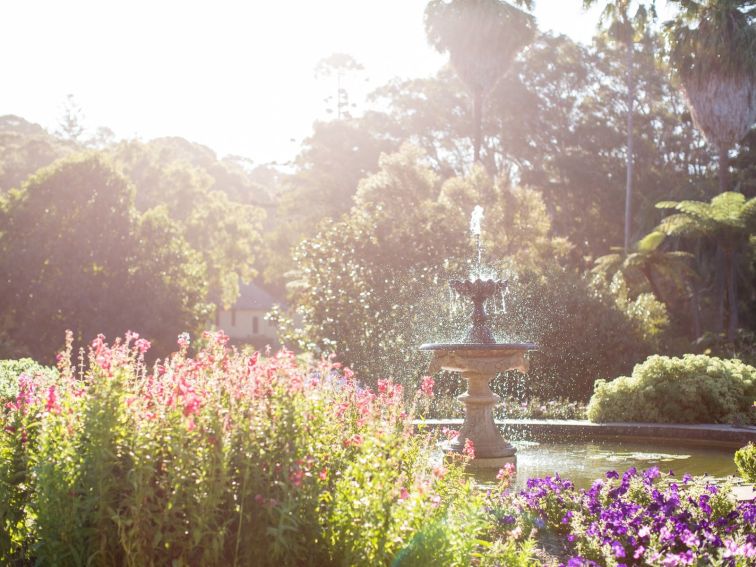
{"points": [[329, 167], [626, 27], [652, 262], [355, 275], [75, 254], [556, 123], [373, 285], [482, 38], [728, 221], [660, 269], [70, 125], [713, 48], [196, 189], [24, 148], [339, 65]]}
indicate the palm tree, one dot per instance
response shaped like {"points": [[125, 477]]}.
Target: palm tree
{"points": [[626, 20], [728, 221], [482, 38], [651, 261], [713, 48]]}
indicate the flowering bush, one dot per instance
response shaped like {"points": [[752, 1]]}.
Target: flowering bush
{"points": [[10, 370], [225, 459], [691, 389], [645, 519]]}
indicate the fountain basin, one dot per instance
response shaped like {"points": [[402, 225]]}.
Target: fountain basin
{"points": [[479, 363], [583, 451]]}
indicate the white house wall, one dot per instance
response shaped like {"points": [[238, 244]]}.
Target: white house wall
{"points": [[241, 324]]}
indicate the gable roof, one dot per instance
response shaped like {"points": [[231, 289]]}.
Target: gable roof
{"points": [[252, 296]]}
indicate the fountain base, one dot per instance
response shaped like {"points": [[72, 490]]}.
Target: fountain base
{"points": [[479, 364]]}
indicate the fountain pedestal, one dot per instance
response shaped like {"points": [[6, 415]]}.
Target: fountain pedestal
{"points": [[479, 363]]}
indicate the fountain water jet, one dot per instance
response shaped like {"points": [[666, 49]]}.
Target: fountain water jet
{"points": [[479, 358]]}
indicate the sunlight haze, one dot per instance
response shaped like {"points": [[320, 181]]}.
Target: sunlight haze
{"points": [[237, 77]]}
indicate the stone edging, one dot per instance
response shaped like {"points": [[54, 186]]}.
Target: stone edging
{"points": [[553, 429]]}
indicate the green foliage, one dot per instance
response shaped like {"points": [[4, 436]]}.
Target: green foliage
{"points": [[729, 218], [715, 38], [646, 311], [76, 254], [332, 161], [24, 148], [373, 283], [691, 389], [213, 203], [226, 459], [727, 224], [745, 459], [482, 38], [581, 335], [649, 266]]}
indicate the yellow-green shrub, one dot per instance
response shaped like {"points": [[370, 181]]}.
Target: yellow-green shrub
{"points": [[745, 460], [691, 389]]}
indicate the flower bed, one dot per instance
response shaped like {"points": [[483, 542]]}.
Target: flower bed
{"points": [[639, 519], [225, 459]]}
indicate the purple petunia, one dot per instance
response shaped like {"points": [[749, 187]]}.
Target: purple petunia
{"points": [[646, 518]]}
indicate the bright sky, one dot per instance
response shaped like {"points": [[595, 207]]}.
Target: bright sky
{"points": [[237, 76]]}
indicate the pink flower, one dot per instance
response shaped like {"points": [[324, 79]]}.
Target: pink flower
{"points": [[296, 477], [506, 472], [52, 401], [142, 345], [183, 341], [404, 494], [426, 386], [469, 449], [355, 439], [449, 433]]}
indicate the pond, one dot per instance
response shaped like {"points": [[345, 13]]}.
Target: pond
{"points": [[584, 461]]}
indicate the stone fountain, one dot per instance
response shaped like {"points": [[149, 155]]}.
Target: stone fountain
{"points": [[479, 358]]}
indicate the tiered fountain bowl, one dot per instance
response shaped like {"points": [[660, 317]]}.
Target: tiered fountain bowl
{"points": [[479, 358]]}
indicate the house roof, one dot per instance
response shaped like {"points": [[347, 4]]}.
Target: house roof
{"points": [[252, 296]]}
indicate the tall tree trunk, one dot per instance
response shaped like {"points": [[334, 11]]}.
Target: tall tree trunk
{"points": [[724, 168], [629, 154], [719, 287], [478, 119], [732, 295], [654, 286], [695, 310]]}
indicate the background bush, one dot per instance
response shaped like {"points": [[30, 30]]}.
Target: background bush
{"points": [[691, 389], [581, 334]]}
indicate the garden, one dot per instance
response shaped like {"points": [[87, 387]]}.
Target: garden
{"points": [[514, 308], [215, 457]]}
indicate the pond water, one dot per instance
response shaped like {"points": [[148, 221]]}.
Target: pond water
{"points": [[584, 461]]}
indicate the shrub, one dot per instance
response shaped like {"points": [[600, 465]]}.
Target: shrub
{"points": [[582, 336], [10, 370], [226, 459], [691, 389], [745, 459]]}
